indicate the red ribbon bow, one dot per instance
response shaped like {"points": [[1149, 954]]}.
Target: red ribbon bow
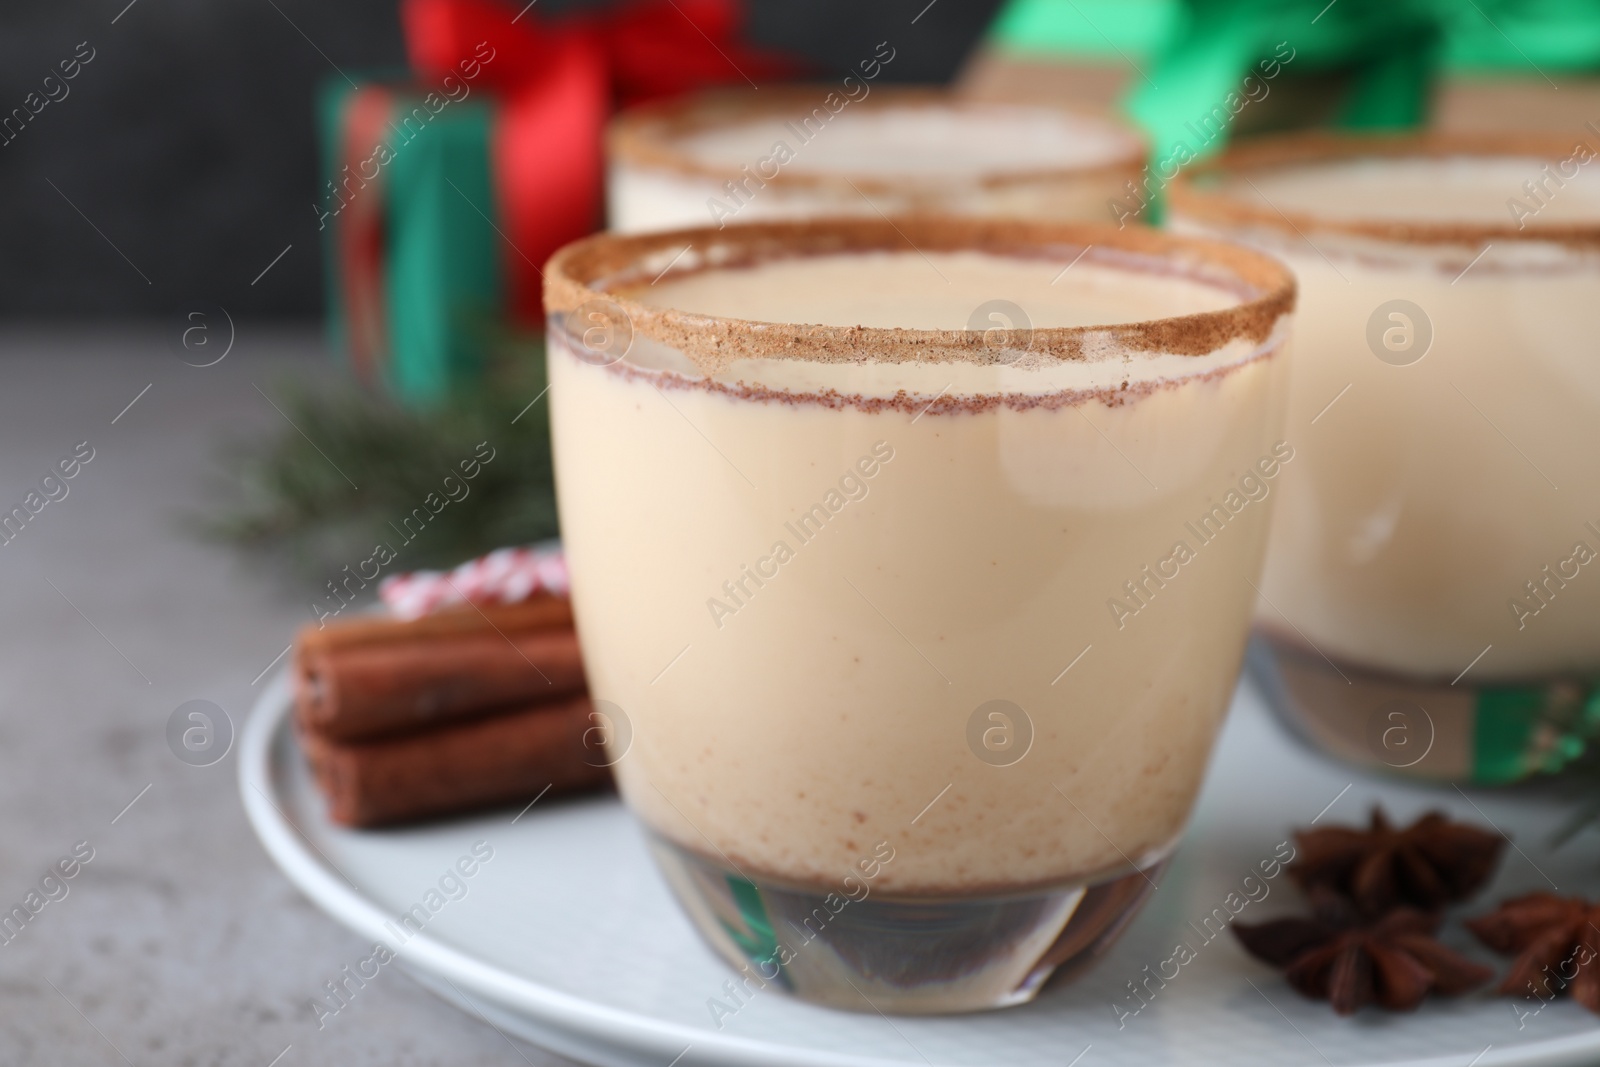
{"points": [[557, 81]]}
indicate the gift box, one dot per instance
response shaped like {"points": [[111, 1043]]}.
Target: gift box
{"points": [[1194, 73], [446, 189]]}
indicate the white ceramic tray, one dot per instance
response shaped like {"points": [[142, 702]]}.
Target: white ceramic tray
{"points": [[566, 935]]}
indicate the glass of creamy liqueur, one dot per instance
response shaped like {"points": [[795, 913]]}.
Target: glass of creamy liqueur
{"points": [[724, 158], [1431, 600], [913, 566]]}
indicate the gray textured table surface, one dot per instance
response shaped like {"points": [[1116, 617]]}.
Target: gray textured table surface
{"points": [[178, 943]]}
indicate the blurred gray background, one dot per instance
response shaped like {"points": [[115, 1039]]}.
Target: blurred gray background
{"points": [[180, 162], [188, 143]]}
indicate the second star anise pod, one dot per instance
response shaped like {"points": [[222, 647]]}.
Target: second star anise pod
{"points": [[1429, 864], [1555, 940], [1393, 962]]}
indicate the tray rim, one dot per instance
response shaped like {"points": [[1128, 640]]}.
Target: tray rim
{"points": [[315, 875], [589, 1028]]}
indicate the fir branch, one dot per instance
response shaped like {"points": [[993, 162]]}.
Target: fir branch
{"points": [[289, 495]]}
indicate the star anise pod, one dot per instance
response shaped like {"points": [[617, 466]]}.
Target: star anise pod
{"points": [[1555, 940], [1337, 956], [1431, 863]]}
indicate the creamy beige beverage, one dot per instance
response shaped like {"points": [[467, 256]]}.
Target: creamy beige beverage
{"points": [[1448, 190], [1443, 508], [801, 576], [913, 563], [721, 158]]}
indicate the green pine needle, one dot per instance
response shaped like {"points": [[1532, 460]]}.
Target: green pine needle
{"points": [[363, 465]]}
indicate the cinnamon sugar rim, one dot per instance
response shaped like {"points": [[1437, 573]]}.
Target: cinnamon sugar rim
{"points": [[593, 268], [650, 135], [1190, 197]]}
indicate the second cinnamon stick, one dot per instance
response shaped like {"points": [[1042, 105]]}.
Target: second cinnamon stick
{"points": [[514, 757], [368, 690]]}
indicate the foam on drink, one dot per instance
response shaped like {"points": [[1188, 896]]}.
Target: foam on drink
{"points": [[721, 158]]}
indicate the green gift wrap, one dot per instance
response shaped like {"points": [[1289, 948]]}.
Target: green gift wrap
{"points": [[441, 204], [416, 289]]}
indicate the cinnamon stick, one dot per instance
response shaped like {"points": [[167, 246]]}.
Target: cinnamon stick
{"points": [[502, 759], [360, 689], [537, 613]]}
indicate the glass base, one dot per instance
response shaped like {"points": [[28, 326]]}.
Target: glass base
{"points": [[906, 955], [1426, 728]]}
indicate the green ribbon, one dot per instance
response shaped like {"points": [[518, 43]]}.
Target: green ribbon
{"points": [[1192, 54]]}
